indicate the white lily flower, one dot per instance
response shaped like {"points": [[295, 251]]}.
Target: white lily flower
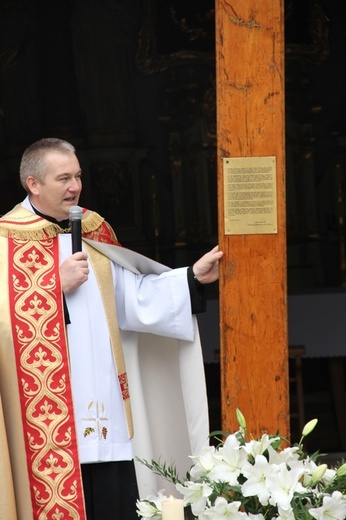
{"points": [[229, 481], [288, 455], [202, 516], [231, 460], [195, 494], [222, 510], [329, 476], [256, 475], [333, 508], [283, 484], [146, 510], [285, 514], [151, 507], [231, 443], [309, 467], [204, 462], [259, 447]]}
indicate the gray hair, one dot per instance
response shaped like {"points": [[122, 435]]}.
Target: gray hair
{"points": [[34, 157]]}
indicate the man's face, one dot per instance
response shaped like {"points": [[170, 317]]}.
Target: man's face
{"points": [[60, 188]]}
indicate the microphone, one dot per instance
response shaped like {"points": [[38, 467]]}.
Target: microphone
{"points": [[75, 215]]}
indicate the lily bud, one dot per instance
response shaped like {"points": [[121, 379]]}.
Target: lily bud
{"points": [[309, 427], [240, 419], [318, 473], [341, 472]]}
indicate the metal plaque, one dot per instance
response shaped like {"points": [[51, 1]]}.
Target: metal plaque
{"points": [[250, 195]]}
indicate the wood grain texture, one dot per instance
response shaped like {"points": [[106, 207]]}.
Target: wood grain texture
{"points": [[253, 285]]}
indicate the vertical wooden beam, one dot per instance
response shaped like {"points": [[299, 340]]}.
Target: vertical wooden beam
{"points": [[253, 302]]}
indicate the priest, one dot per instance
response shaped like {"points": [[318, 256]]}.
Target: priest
{"points": [[100, 360]]}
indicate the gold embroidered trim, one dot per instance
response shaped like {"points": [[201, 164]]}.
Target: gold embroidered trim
{"points": [[21, 224], [102, 268], [43, 375]]}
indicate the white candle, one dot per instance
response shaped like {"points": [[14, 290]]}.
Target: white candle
{"points": [[172, 509]]}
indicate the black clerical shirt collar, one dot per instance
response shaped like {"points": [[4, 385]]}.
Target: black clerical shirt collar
{"points": [[64, 224]]}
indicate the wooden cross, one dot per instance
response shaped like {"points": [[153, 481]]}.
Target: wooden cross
{"points": [[253, 301]]}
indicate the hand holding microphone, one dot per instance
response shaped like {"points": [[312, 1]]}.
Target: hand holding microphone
{"points": [[74, 271], [75, 215]]}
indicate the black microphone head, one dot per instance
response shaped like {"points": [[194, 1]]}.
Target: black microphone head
{"points": [[75, 213]]}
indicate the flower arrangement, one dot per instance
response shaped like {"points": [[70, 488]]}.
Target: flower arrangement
{"points": [[256, 479]]}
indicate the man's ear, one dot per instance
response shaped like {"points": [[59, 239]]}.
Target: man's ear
{"points": [[32, 185]]}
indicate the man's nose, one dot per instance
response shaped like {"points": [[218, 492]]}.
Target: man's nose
{"points": [[74, 185]]}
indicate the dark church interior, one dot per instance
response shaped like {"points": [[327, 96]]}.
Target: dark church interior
{"points": [[132, 85]]}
